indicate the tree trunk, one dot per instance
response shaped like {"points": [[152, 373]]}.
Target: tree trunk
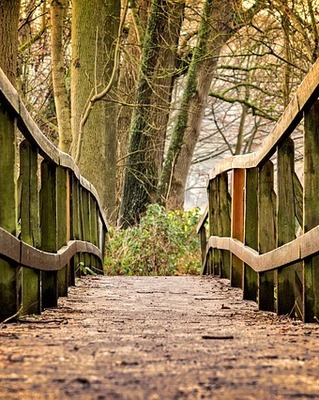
{"points": [[163, 84], [9, 17], [214, 32], [94, 32], [62, 106], [140, 177]]}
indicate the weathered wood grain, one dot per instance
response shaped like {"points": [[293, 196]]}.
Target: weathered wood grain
{"points": [[237, 227], [250, 280], [266, 233], [311, 210], [48, 226], [30, 229], [285, 223], [9, 277], [224, 222], [62, 220]]}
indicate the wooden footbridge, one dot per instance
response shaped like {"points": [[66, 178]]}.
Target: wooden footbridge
{"points": [[263, 222]]}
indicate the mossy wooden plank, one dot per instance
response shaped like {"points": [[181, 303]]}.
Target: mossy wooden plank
{"points": [[311, 211], [298, 199], [217, 253], [94, 212], [9, 276], [250, 288], [75, 225], [85, 222], [30, 230], [213, 224], [203, 242], [237, 228], [266, 234], [224, 225], [48, 231], [62, 224], [286, 223]]}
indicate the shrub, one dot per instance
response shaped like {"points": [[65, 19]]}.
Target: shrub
{"points": [[164, 243]]}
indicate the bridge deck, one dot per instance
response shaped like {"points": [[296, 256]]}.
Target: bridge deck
{"points": [[158, 338]]}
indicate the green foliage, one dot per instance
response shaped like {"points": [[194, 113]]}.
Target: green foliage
{"points": [[84, 270], [164, 243]]}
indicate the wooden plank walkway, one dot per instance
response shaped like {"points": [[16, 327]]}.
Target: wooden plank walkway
{"points": [[158, 338]]}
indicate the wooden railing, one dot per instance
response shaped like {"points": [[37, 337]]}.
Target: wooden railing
{"points": [[52, 227], [262, 224]]}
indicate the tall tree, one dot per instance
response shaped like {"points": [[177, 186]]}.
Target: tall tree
{"points": [[215, 30], [128, 75], [95, 26], [58, 10], [142, 164]]}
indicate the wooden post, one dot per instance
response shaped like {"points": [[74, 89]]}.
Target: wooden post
{"points": [[94, 212], [30, 233], [203, 242], [311, 212], [266, 233], [286, 223], [48, 231], [85, 222], [224, 226], [250, 288], [62, 222], [213, 266], [9, 281], [75, 225], [237, 228]]}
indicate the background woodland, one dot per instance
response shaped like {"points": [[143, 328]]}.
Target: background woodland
{"points": [[146, 95]]}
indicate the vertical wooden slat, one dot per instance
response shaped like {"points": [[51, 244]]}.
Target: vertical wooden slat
{"points": [[62, 224], [94, 212], [203, 242], [250, 288], [311, 211], [266, 233], [85, 223], [213, 224], [9, 282], [217, 253], [75, 225], [29, 217], [286, 223], [224, 226], [48, 230], [70, 270], [237, 228]]}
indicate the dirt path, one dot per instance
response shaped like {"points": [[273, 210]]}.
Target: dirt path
{"points": [[158, 338]]}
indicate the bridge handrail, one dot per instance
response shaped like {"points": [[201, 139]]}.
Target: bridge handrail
{"points": [[291, 117], [63, 225], [252, 239], [33, 134]]}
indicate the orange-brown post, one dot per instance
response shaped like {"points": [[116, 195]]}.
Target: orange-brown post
{"points": [[238, 226]]}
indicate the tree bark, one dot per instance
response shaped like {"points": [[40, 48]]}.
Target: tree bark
{"points": [[62, 105], [128, 76], [215, 30], [9, 17], [94, 33], [163, 84], [140, 179]]}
